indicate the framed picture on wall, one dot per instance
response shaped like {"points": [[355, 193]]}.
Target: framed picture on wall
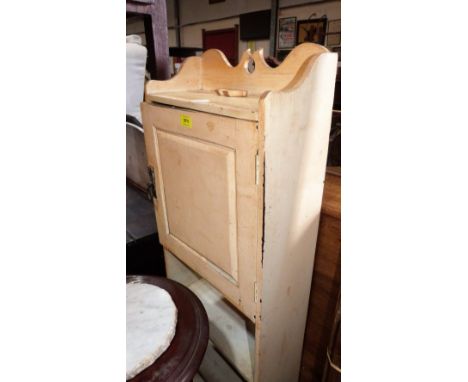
{"points": [[333, 39], [281, 54], [286, 33], [334, 26], [311, 31]]}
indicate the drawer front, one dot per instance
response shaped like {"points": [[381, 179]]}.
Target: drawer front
{"points": [[207, 195]]}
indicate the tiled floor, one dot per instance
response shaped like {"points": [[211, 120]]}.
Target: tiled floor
{"points": [[141, 221]]}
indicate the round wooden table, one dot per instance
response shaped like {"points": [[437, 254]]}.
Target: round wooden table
{"points": [[181, 360]]}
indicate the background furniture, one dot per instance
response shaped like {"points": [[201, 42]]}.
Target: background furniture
{"points": [[158, 65], [181, 360], [326, 281], [155, 19], [332, 369], [238, 191]]}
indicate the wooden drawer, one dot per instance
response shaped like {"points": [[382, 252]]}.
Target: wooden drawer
{"points": [[206, 185]]}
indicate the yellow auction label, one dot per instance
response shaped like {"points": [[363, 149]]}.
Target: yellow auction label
{"points": [[186, 121]]}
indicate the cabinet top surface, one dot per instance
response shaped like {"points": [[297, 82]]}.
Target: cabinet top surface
{"points": [[210, 102]]}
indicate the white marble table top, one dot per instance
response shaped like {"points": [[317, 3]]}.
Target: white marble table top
{"points": [[151, 325]]}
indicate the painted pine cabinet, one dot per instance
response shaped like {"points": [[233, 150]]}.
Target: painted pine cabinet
{"points": [[237, 157]]}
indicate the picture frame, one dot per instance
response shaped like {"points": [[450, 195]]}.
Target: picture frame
{"points": [[334, 26], [311, 31], [281, 54], [287, 33], [333, 39]]}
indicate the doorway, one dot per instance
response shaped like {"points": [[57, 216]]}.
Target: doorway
{"points": [[226, 40]]}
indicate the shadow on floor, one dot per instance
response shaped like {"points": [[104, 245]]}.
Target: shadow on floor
{"points": [[145, 256]]}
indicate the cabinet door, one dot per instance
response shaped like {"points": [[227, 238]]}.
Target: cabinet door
{"points": [[207, 195]]}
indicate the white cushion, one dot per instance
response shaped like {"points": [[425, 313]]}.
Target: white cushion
{"points": [[136, 65]]}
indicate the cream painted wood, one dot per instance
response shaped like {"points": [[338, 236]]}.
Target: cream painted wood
{"points": [[213, 163], [277, 138], [211, 232], [211, 102], [292, 211]]}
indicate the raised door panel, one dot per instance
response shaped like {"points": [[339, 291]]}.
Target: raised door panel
{"points": [[207, 195], [200, 196]]}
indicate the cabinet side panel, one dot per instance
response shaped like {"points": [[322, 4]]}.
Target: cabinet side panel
{"points": [[297, 125]]}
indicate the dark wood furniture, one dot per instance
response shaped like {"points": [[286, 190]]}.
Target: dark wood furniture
{"points": [[155, 21], [181, 360], [332, 369], [326, 281]]}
